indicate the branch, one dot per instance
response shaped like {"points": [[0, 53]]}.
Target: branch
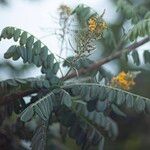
{"points": [[108, 59], [8, 98]]}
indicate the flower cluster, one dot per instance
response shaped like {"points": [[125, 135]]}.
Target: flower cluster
{"points": [[123, 80], [95, 26], [92, 24], [65, 9]]}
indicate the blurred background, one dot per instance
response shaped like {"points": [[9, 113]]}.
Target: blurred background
{"points": [[40, 18]]}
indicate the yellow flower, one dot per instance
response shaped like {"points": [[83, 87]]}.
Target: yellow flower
{"points": [[122, 74], [123, 80], [96, 26], [92, 24]]}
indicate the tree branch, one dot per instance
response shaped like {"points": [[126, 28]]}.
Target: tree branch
{"points": [[8, 98], [108, 59]]}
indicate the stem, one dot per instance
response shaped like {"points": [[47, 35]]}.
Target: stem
{"points": [[106, 86], [108, 58]]}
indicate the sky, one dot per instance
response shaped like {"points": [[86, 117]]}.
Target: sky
{"points": [[39, 18]]}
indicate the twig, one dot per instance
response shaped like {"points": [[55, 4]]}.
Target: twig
{"points": [[109, 58]]}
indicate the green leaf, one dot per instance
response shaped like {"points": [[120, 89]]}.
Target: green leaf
{"points": [[139, 104], [92, 115], [44, 53], [17, 54], [95, 91], [36, 60], [49, 74], [98, 119], [86, 13], [113, 128], [129, 100], [4, 33], [117, 110], [91, 105], [140, 29], [76, 90], [50, 102], [84, 91], [44, 107], [55, 67], [50, 60], [10, 32], [102, 92], [30, 55], [46, 84], [66, 99], [30, 41], [120, 98], [111, 95], [67, 117], [39, 111], [17, 33], [23, 38], [39, 138], [24, 53], [39, 84], [10, 52], [101, 106], [27, 114], [128, 10], [37, 47]]}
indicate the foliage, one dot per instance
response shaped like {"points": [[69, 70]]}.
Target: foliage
{"points": [[31, 52], [82, 107]]}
